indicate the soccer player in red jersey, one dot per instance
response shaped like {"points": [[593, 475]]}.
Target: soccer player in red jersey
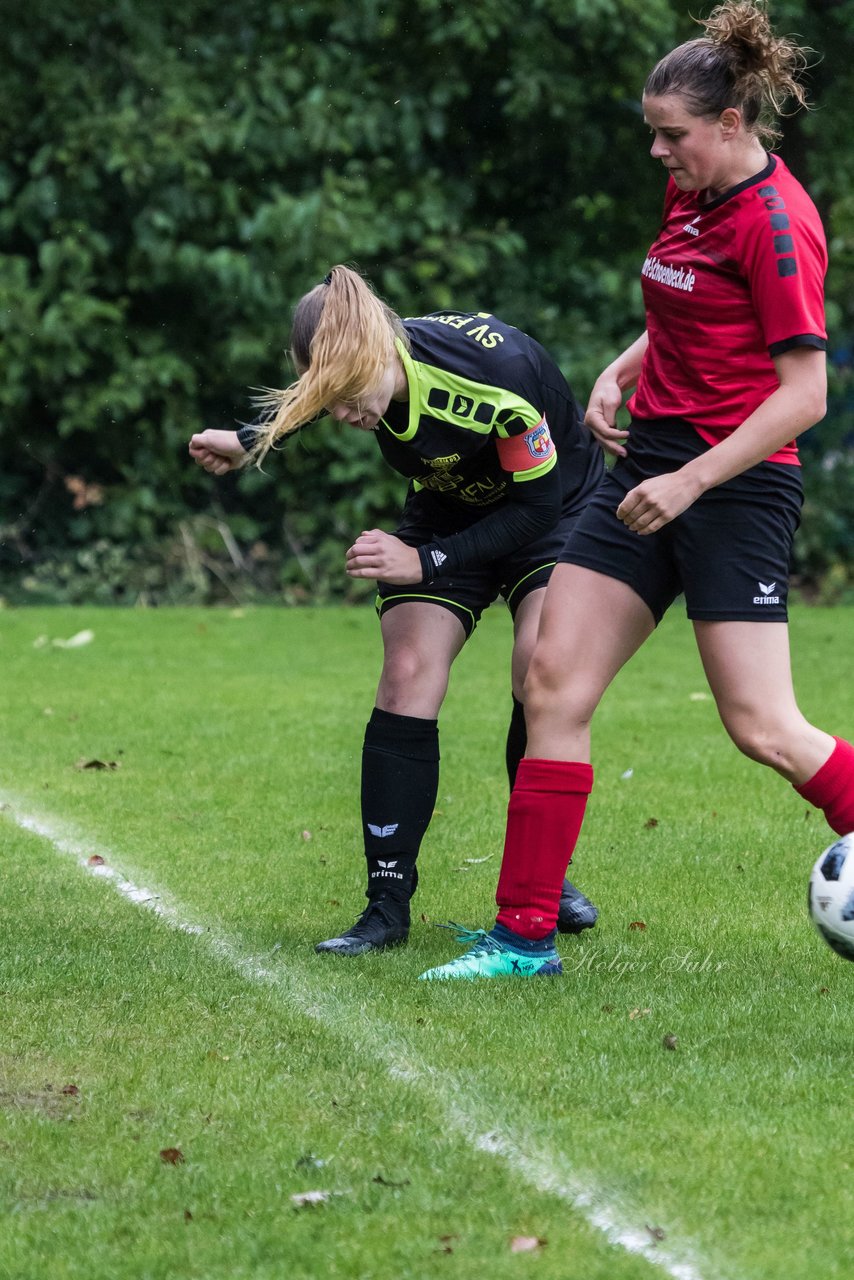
{"points": [[706, 492], [482, 422]]}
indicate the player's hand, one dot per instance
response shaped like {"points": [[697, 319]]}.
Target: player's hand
{"points": [[653, 504], [601, 416], [218, 451], [380, 555]]}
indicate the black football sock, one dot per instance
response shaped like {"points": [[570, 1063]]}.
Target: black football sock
{"points": [[517, 740], [400, 780]]}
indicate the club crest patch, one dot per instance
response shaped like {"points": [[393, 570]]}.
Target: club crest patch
{"points": [[539, 442]]}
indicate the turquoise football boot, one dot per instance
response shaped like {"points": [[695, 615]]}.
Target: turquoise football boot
{"points": [[490, 958]]}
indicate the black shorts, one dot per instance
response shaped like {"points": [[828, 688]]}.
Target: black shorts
{"points": [[729, 552], [468, 592]]}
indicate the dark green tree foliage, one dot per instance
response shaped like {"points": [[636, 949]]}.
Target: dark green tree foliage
{"points": [[175, 175]]}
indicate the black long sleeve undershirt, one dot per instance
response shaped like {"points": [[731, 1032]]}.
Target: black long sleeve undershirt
{"points": [[532, 508]]}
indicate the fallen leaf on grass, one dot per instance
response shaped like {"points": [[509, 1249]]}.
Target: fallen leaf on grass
{"points": [[306, 835], [447, 1243], [527, 1244], [473, 862], [95, 861], [670, 1042], [650, 823], [172, 1155], [639, 1013], [308, 1199], [385, 1182], [76, 641], [98, 764], [70, 1090], [638, 925], [657, 1233], [188, 1217]]}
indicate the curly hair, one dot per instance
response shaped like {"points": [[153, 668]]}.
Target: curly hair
{"points": [[739, 62]]}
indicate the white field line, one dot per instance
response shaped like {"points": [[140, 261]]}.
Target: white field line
{"points": [[464, 1112]]}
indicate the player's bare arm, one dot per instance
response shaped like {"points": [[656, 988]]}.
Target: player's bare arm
{"points": [[607, 397]]}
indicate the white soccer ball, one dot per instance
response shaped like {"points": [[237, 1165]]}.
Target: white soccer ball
{"points": [[831, 896]]}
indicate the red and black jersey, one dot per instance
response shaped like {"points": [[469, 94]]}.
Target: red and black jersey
{"points": [[728, 285]]}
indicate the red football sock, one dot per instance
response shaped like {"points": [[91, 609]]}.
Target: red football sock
{"points": [[832, 788], [543, 821]]}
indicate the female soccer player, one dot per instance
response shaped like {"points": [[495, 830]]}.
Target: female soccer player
{"points": [[483, 424], [705, 495]]}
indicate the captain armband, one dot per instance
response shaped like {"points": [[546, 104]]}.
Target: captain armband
{"points": [[529, 451]]}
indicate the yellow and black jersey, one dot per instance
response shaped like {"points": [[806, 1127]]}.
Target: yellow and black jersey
{"points": [[488, 408], [492, 429], [490, 433]]}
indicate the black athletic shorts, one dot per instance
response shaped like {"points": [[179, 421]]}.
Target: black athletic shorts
{"points": [[729, 552], [468, 592]]}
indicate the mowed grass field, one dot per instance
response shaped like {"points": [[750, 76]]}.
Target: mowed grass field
{"points": [[177, 1064]]}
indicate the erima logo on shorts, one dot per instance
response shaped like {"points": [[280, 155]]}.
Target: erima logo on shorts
{"points": [[766, 598]]}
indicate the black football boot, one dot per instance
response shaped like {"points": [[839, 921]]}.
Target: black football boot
{"points": [[576, 912], [383, 923]]}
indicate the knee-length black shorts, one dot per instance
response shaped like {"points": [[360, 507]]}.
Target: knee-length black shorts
{"points": [[729, 552]]}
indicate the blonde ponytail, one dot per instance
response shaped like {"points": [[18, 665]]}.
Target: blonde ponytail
{"points": [[342, 342]]}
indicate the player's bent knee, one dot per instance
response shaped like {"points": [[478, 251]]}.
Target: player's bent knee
{"points": [[409, 674], [546, 674], [551, 694], [766, 744]]}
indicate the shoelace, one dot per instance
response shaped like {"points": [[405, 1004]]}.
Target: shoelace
{"points": [[478, 939]]}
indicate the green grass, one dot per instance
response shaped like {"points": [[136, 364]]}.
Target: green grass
{"points": [[275, 1071]]}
